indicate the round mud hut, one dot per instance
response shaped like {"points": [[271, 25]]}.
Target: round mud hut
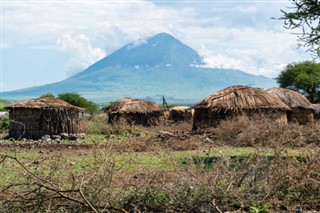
{"points": [[180, 114], [32, 119], [135, 111], [301, 111], [234, 101]]}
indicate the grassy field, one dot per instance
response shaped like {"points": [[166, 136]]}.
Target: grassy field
{"points": [[240, 166]]}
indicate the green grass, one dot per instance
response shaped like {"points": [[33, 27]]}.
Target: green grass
{"points": [[129, 162]]}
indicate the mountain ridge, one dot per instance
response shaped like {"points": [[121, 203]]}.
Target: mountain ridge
{"points": [[149, 69]]}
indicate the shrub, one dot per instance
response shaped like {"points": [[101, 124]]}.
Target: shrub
{"points": [[47, 95], [3, 102], [261, 131], [4, 123], [77, 100]]}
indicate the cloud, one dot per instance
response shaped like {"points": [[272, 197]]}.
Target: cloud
{"points": [[256, 51], [81, 51], [137, 43], [231, 34]]}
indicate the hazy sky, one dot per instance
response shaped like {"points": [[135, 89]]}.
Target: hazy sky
{"points": [[48, 41]]}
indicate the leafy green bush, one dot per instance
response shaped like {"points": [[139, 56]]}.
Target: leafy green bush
{"points": [[4, 123], [3, 102], [48, 95], [77, 100]]}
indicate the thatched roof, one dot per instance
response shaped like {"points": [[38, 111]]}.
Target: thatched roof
{"points": [[129, 105], [182, 108], [41, 103], [316, 108], [236, 98], [291, 98]]}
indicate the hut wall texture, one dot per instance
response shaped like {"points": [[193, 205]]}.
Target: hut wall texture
{"points": [[34, 123], [145, 119], [206, 118], [301, 116], [180, 115]]}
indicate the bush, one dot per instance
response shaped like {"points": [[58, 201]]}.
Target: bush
{"points": [[4, 123], [260, 131], [47, 95], [77, 100], [3, 102]]}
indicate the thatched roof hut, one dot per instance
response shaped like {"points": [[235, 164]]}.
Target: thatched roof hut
{"points": [[35, 118], [299, 105], [135, 111], [237, 100], [180, 113], [316, 108]]}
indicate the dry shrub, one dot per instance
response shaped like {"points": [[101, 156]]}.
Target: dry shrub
{"points": [[255, 183], [60, 185], [262, 131], [137, 138], [277, 182]]}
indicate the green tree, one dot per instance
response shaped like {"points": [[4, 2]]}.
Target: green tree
{"points": [[3, 102], [304, 15], [77, 100], [47, 95], [303, 77]]}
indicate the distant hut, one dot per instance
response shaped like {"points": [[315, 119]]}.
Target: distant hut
{"points": [[135, 111], [299, 105], [316, 108], [180, 113], [237, 100], [32, 119]]}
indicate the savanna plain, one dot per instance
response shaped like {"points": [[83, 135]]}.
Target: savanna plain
{"points": [[242, 165]]}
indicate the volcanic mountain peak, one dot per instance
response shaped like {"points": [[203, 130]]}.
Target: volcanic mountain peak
{"points": [[154, 67], [160, 50]]}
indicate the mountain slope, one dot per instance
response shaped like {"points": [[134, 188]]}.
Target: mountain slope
{"points": [[152, 68]]}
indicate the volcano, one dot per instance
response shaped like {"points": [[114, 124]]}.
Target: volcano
{"points": [[148, 69]]}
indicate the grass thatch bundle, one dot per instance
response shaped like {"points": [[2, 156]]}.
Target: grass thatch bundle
{"points": [[135, 111], [301, 111], [34, 118], [236, 100], [40, 103], [130, 105], [291, 98]]}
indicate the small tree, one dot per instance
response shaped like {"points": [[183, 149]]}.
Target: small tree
{"points": [[77, 100], [303, 77], [305, 15], [47, 95]]}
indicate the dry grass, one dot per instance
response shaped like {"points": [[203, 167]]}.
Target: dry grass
{"points": [[40, 103], [130, 105], [263, 132], [237, 98], [291, 98], [275, 183], [259, 182]]}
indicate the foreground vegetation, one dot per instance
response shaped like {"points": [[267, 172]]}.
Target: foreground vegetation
{"points": [[3, 102], [242, 165]]}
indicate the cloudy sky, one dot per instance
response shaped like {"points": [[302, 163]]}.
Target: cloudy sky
{"points": [[50, 40]]}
